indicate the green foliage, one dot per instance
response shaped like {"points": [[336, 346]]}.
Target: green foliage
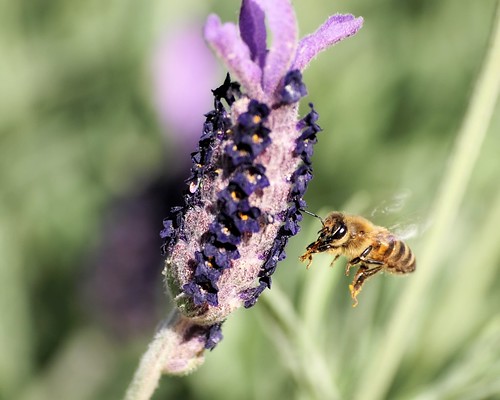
{"points": [[78, 130]]}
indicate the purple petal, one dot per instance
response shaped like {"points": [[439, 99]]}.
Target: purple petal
{"points": [[336, 28], [283, 27], [226, 42], [253, 30]]}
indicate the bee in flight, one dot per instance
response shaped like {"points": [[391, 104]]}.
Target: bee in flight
{"points": [[373, 248]]}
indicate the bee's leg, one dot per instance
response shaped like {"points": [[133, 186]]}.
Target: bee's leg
{"points": [[357, 260], [361, 276], [334, 259], [362, 258], [307, 256], [350, 264]]}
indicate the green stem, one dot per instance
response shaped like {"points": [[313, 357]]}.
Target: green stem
{"points": [[382, 367], [148, 373], [16, 332], [314, 371]]}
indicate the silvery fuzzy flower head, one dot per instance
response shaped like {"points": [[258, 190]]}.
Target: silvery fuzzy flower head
{"points": [[250, 171]]}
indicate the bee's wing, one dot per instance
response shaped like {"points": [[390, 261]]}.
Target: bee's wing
{"points": [[410, 228], [394, 205], [393, 213]]}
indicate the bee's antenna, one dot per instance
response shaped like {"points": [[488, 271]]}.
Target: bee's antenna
{"points": [[314, 215]]}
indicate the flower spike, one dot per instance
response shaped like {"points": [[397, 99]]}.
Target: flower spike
{"points": [[244, 197]]}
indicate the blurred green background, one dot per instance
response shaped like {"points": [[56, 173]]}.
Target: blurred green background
{"points": [[87, 172]]}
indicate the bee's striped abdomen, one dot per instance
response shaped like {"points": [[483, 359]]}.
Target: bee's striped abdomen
{"points": [[399, 257]]}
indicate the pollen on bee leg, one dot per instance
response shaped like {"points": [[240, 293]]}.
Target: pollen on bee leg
{"points": [[359, 279], [357, 284], [354, 294]]}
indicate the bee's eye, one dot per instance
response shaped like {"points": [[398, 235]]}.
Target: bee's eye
{"points": [[339, 232]]}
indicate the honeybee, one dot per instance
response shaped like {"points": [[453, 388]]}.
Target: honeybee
{"points": [[374, 248]]}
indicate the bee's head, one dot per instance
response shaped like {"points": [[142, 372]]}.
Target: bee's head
{"points": [[333, 233], [334, 229]]}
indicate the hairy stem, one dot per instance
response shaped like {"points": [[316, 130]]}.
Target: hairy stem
{"points": [[172, 351]]}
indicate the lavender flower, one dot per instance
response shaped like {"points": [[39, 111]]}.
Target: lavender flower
{"points": [[249, 173]]}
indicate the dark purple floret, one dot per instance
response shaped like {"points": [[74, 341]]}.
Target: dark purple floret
{"points": [[293, 87], [257, 114], [258, 109], [229, 249], [305, 142], [255, 140], [218, 121], [252, 295], [311, 118], [230, 198], [211, 299], [308, 134], [197, 159], [207, 276], [246, 218], [251, 178], [239, 154], [214, 336], [201, 293], [250, 137], [173, 229], [207, 133], [194, 291], [300, 179], [168, 231], [309, 121], [266, 280], [277, 253], [291, 226], [228, 91], [278, 249], [219, 256], [225, 231], [305, 149], [296, 205]]}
